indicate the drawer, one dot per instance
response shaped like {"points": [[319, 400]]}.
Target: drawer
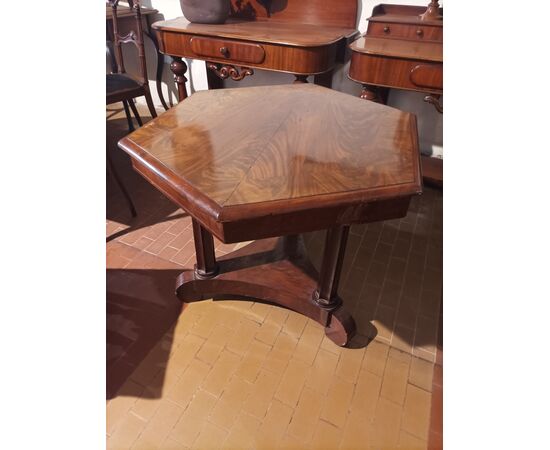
{"points": [[227, 49], [400, 73], [404, 31], [427, 76]]}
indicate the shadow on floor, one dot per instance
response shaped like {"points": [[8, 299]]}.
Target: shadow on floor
{"points": [[142, 310]]}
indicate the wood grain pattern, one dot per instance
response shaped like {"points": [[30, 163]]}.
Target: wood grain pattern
{"points": [[281, 58], [227, 49], [424, 51], [396, 73], [342, 13], [405, 31], [295, 34], [302, 37], [286, 152], [292, 158]]}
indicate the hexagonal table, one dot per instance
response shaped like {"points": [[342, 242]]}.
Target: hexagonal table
{"points": [[269, 163]]}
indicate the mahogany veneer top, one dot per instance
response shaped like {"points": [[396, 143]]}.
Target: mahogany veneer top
{"points": [[399, 48], [283, 33], [250, 151]]}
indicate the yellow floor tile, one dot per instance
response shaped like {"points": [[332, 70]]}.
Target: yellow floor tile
{"points": [[262, 393], [274, 426], [306, 415], [182, 392], [416, 413], [292, 382], [322, 372], [396, 376], [337, 402], [209, 437], [349, 363], [220, 374], [327, 437]]}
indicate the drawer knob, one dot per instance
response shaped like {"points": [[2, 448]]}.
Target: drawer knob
{"points": [[224, 51], [386, 29], [419, 32]]}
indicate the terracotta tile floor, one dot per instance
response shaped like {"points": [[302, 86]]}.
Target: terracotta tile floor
{"points": [[239, 374]]}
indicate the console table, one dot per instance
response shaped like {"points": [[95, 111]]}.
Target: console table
{"points": [[301, 37], [402, 49], [297, 158]]}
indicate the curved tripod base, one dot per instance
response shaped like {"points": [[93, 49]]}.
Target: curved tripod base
{"points": [[274, 270]]}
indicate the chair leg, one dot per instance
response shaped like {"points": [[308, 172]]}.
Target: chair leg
{"points": [[111, 168], [128, 116], [135, 111], [150, 105]]}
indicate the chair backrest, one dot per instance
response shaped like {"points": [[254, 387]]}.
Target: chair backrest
{"points": [[337, 13], [135, 36]]}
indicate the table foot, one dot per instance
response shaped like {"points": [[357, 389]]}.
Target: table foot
{"points": [[275, 270]]}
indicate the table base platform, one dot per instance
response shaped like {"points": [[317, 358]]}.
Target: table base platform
{"points": [[274, 270]]}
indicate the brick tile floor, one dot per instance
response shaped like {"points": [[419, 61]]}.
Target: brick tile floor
{"points": [[239, 374]]}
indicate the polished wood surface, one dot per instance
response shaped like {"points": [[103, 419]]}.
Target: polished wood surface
{"points": [[339, 13], [292, 159], [301, 37], [429, 51], [295, 34], [402, 49], [237, 51], [286, 148], [281, 58]]}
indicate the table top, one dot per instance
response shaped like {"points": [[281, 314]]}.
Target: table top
{"points": [[260, 150], [283, 33], [399, 48]]}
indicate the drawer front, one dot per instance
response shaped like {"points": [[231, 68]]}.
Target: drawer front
{"points": [[397, 73], [226, 49], [404, 31], [427, 76]]}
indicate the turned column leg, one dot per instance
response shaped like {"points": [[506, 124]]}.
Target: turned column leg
{"points": [[179, 68], [300, 79], [206, 267], [324, 79], [326, 294], [370, 93]]}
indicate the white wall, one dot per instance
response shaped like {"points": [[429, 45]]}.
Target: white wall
{"points": [[430, 122]]}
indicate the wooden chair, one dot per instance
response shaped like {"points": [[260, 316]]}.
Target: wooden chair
{"points": [[122, 87]]}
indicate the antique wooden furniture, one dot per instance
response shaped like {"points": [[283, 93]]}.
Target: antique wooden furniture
{"points": [[126, 23], [292, 159], [120, 85], [301, 37], [403, 49]]}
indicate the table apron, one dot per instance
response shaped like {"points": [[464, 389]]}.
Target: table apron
{"points": [[280, 58], [416, 75]]}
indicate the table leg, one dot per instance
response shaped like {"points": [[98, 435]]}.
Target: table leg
{"points": [[324, 79], [370, 93], [337, 321], [275, 270], [179, 68], [300, 79], [207, 266]]}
